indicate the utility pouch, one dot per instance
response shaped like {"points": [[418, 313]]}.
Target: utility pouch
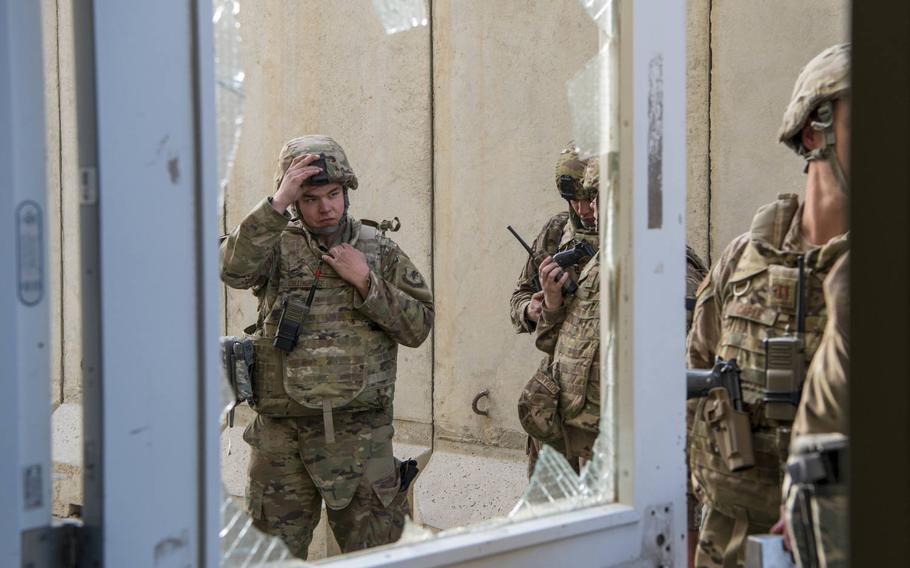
{"points": [[731, 430], [237, 363], [784, 369], [289, 325]]}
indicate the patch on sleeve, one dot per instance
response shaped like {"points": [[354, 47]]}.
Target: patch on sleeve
{"points": [[414, 279]]}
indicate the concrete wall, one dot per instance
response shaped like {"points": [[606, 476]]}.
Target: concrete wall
{"points": [[743, 60]]}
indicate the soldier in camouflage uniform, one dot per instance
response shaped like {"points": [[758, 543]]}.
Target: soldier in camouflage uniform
{"points": [[559, 233], [751, 293], [323, 427], [568, 331], [819, 436]]}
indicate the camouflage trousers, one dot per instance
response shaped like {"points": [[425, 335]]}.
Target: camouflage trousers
{"points": [[292, 471], [721, 540], [819, 530]]}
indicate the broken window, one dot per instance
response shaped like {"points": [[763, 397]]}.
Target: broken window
{"points": [[586, 108]]}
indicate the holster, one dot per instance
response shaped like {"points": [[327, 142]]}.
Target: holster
{"points": [[731, 430], [238, 361]]}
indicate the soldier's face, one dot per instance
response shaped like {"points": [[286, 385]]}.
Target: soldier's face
{"points": [[583, 209], [322, 205], [842, 132]]}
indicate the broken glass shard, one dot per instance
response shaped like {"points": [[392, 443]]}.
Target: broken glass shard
{"points": [[599, 10], [242, 545], [401, 15], [229, 78]]}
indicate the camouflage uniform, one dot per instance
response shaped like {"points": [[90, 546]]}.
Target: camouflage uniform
{"points": [[559, 233], [748, 295], [822, 411], [323, 429], [570, 335]]}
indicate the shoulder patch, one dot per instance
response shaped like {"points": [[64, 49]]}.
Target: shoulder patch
{"points": [[414, 279]]}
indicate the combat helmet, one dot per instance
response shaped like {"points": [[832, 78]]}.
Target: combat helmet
{"points": [[338, 169], [569, 173], [337, 166], [822, 81]]}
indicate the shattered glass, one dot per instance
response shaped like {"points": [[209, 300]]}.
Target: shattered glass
{"points": [[242, 545], [229, 77], [599, 10], [401, 15], [593, 100], [590, 92]]}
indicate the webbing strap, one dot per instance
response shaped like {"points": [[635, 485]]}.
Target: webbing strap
{"points": [[327, 420]]}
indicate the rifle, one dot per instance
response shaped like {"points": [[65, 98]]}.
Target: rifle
{"points": [[728, 423]]}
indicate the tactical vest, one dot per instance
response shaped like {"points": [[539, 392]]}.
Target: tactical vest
{"points": [[760, 300], [576, 357], [342, 360]]}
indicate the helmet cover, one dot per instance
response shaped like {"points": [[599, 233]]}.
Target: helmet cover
{"points": [[825, 78]]}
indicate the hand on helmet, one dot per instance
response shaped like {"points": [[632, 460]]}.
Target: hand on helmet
{"points": [[552, 277], [294, 181], [351, 265]]}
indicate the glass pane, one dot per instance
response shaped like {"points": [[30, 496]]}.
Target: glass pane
{"points": [[432, 105]]}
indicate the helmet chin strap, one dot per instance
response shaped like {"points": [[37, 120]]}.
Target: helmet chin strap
{"points": [[825, 125]]}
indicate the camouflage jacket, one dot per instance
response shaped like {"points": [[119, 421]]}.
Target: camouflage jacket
{"points": [[824, 402], [349, 340], [695, 273], [556, 235], [570, 334], [750, 294]]}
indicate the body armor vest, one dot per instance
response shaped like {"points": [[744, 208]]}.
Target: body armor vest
{"points": [[760, 300], [576, 358], [342, 360]]}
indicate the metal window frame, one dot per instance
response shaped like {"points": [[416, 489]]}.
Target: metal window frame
{"points": [[647, 525], [145, 106], [25, 406]]}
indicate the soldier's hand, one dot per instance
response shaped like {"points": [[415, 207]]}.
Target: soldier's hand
{"points": [[552, 277], [351, 265], [293, 183], [780, 527], [532, 310]]}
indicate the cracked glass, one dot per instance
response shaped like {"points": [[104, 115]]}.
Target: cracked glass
{"points": [[401, 15], [302, 73]]}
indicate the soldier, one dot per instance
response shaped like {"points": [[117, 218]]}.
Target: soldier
{"points": [[336, 297], [752, 293], [819, 439], [568, 330], [560, 232]]}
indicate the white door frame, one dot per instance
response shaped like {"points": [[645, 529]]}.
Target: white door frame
{"points": [[25, 384], [145, 104]]}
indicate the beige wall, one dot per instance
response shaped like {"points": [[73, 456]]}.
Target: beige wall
{"points": [[744, 58], [501, 118], [63, 202]]}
